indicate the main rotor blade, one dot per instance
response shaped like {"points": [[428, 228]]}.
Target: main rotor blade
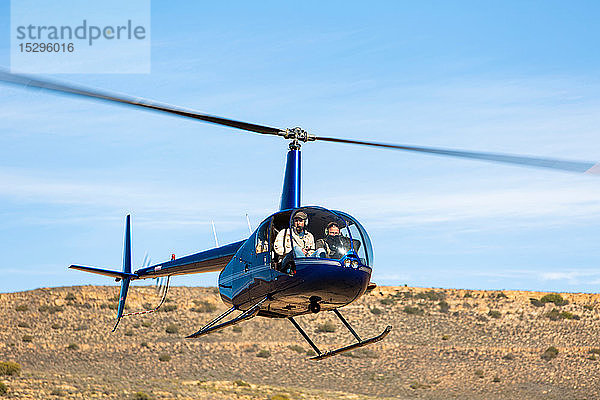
{"points": [[565, 165], [63, 88]]}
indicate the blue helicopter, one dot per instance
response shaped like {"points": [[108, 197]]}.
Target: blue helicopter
{"points": [[301, 259]]}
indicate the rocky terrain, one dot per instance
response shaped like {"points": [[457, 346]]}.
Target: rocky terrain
{"points": [[445, 344]]}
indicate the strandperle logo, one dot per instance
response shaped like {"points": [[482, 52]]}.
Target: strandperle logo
{"points": [[91, 33], [77, 36]]}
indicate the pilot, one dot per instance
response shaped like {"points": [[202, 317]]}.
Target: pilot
{"points": [[332, 245], [303, 241]]}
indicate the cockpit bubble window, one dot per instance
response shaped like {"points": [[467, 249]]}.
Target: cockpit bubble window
{"points": [[262, 238], [317, 232]]}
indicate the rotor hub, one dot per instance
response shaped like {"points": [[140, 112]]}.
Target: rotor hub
{"points": [[297, 135]]}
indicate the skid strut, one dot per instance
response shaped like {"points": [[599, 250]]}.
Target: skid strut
{"points": [[211, 327], [331, 353]]}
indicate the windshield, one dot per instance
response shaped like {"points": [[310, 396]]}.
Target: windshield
{"points": [[359, 234]]}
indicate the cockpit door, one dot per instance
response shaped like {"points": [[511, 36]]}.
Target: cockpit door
{"points": [[262, 247]]}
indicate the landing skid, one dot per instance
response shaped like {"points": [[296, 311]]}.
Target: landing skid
{"points": [[211, 327], [361, 343]]}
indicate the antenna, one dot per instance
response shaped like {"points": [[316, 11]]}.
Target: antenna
{"points": [[249, 226], [215, 233]]}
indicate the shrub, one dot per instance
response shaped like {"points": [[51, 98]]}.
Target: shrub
{"points": [[251, 349], [164, 358], [169, 307], [146, 324], [50, 309], [445, 337], [555, 315], [376, 311], [204, 306], [431, 295], [23, 325], [297, 348], [536, 302], [237, 329], [468, 295], [263, 353], [279, 397], [479, 373], [413, 310], [501, 295], [310, 353], [444, 306], [9, 368], [417, 385], [482, 318], [589, 307], [27, 338], [496, 379], [554, 298], [388, 301], [326, 327], [3, 388], [141, 396], [172, 328], [145, 344], [70, 297], [81, 327], [509, 356], [73, 346], [241, 383], [21, 307], [495, 314], [550, 353], [568, 315], [56, 326], [595, 351], [128, 333], [57, 392]]}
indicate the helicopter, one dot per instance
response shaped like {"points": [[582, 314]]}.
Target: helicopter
{"points": [[300, 259]]}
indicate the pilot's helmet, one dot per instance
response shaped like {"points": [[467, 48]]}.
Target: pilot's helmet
{"points": [[302, 215]]}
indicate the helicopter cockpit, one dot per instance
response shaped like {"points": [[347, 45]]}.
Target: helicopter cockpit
{"points": [[315, 232]]}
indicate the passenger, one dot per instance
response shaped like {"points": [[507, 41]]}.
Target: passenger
{"points": [[303, 241], [332, 245]]}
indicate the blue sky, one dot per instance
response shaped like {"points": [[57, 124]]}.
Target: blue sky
{"points": [[517, 77]]}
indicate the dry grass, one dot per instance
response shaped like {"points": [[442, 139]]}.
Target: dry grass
{"points": [[444, 344]]}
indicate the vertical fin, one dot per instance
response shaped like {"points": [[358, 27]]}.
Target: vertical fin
{"points": [[126, 269]]}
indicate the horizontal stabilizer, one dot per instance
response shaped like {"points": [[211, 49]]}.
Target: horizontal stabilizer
{"points": [[105, 272]]}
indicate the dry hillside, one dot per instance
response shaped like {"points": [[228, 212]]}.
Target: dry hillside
{"points": [[446, 344]]}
